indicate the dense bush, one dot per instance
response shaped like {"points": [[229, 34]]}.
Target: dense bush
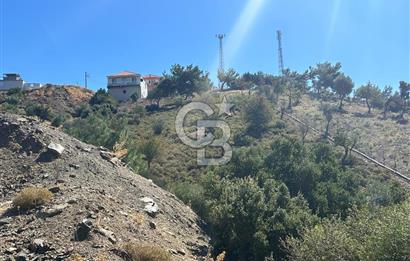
{"points": [[40, 110], [102, 97], [58, 120], [249, 221], [101, 127], [375, 234], [263, 196], [257, 115]]}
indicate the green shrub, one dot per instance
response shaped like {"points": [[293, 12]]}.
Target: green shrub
{"points": [[101, 129], [258, 115], [40, 110], [279, 124], [158, 127], [58, 120], [376, 234], [102, 97], [13, 100], [241, 139], [15, 91]]}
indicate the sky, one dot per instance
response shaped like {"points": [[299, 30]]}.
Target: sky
{"points": [[49, 41]]}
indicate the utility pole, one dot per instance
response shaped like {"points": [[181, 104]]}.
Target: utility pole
{"points": [[221, 53], [86, 76], [280, 54]]}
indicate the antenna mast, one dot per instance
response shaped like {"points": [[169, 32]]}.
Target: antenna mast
{"points": [[221, 53], [86, 76], [280, 54]]}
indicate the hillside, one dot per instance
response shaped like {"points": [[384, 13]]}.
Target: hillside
{"points": [[90, 188], [277, 185], [385, 140], [63, 99]]}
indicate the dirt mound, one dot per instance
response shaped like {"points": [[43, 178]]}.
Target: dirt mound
{"points": [[61, 99], [97, 204]]}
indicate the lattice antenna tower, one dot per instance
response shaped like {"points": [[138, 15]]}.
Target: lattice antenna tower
{"points": [[280, 52], [221, 53]]}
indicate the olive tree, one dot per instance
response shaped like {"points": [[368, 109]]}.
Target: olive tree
{"points": [[343, 86]]}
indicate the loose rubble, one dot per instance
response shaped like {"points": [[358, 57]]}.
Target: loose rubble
{"points": [[95, 201]]}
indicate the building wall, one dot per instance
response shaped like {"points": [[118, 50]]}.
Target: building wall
{"points": [[7, 85], [144, 90], [124, 93], [30, 86]]}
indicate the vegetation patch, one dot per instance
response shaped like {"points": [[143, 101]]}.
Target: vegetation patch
{"points": [[139, 252], [32, 197]]}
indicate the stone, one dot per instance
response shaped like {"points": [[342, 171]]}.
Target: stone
{"points": [[53, 211], [72, 201], [108, 234], [4, 221], [10, 250], [39, 246], [83, 230], [151, 208], [74, 166], [21, 256], [107, 155], [181, 252], [152, 225], [56, 148], [55, 189]]}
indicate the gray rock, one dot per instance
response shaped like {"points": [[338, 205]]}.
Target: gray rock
{"points": [[55, 189], [53, 211], [108, 234], [152, 225], [21, 256], [56, 148], [150, 206], [39, 246], [83, 230]]}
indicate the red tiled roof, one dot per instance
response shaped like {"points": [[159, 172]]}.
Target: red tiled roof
{"points": [[123, 73], [152, 77]]}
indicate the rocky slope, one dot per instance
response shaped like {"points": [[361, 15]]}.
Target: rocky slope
{"points": [[98, 204], [61, 99]]}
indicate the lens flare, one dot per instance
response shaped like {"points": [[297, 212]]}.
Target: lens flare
{"points": [[237, 35]]}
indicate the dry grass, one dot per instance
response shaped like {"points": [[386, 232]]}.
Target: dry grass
{"points": [[32, 197], [75, 257], [138, 218], [138, 252]]}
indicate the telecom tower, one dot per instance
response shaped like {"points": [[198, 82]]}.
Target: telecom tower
{"points": [[280, 54], [221, 53]]}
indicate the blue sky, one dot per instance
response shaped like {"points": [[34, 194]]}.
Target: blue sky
{"points": [[51, 41]]}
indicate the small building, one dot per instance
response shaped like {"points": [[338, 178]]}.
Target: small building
{"points": [[152, 81], [15, 81], [11, 81], [122, 86]]}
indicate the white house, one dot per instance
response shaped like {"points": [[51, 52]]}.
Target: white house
{"points": [[11, 81], [14, 81], [122, 86]]}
